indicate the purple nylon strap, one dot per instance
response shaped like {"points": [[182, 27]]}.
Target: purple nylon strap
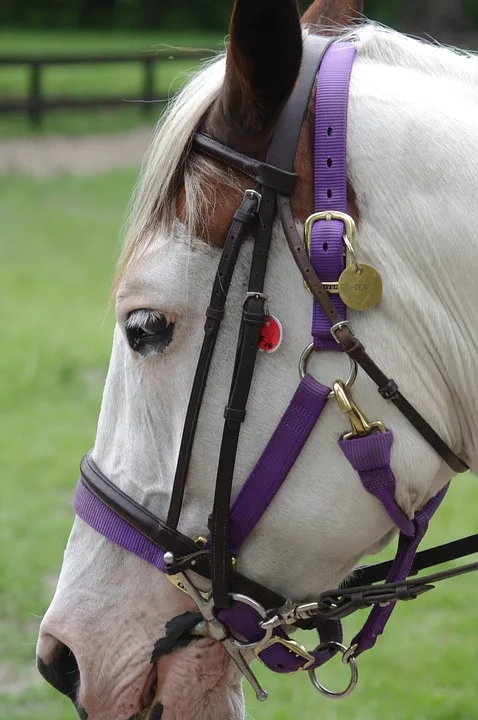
{"points": [[253, 500], [277, 459], [330, 180], [105, 521], [407, 548], [370, 457], [278, 658]]}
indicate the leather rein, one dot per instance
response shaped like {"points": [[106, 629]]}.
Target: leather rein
{"points": [[240, 612]]}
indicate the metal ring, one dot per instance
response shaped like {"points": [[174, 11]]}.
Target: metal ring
{"points": [[351, 662], [303, 368], [352, 252], [263, 614]]}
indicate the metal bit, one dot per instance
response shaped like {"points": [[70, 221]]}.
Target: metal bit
{"points": [[241, 663], [217, 630]]}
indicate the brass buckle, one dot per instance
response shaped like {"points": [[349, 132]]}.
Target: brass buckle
{"points": [[360, 425], [350, 233], [292, 646]]}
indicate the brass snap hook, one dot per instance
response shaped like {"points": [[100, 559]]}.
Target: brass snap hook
{"points": [[360, 425]]}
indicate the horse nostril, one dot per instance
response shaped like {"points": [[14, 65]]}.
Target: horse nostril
{"points": [[62, 672]]}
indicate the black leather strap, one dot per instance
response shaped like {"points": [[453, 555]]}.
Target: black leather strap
{"points": [[214, 315], [262, 173], [424, 559], [281, 153], [354, 348], [252, 320]]}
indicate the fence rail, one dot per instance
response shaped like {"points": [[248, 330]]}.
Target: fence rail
{"points": [[35, 104]]}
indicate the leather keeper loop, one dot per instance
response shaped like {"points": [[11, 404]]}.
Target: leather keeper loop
{"points": [[252, 318], [244, 216], [214, 314], [233, 415], [389, 391]]}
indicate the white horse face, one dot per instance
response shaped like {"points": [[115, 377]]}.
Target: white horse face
{"points": [[110, 607]]}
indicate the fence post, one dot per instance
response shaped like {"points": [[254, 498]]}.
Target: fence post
{"points": [[35, 100], [148, 84]]}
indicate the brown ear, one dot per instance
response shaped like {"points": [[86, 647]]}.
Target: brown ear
{"points": [[263, 61], [332, 13]]}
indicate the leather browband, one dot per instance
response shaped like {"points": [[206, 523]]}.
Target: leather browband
{"points": [[280, 181]]}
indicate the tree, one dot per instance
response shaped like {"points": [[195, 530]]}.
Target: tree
{"points": [[440, 18]]}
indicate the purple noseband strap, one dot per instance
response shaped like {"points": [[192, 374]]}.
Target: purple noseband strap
{"points": [[100, 517]]}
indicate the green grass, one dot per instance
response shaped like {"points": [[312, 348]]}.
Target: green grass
{"points": [[118, 80], [21, 42], [56, 259]]}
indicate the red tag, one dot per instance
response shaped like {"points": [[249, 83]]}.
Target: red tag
{"points": [[271, 335]]}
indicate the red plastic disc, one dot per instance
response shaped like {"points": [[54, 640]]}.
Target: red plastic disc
{"points": [[271, 335]]}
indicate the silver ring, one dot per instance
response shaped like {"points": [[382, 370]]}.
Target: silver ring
{"points": [[263, 614], [304, 358], [351, 662]]}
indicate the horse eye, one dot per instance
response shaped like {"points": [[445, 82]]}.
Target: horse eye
{"points": [[148, 331]]}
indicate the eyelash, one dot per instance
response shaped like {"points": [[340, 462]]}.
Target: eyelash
{"points": [[148, 331]]}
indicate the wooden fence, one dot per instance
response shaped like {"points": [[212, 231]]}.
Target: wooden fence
{"points": [[36, 103]]}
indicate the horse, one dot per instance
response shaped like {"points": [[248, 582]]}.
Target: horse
{"points": [[124, 640]]}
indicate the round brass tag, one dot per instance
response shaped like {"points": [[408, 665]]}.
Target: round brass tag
{"points": [[362, 289]]}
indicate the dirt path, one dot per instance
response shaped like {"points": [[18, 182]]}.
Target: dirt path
{"points": [[44, 157]]}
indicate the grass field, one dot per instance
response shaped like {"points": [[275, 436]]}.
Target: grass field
{"points": [[56, 258], [124, 80]]}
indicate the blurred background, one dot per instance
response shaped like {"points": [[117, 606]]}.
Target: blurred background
{"points": [[82, 83]]}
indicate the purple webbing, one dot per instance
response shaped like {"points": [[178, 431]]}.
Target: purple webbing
{"points": [[407, 548], [277, 459], [330, 180], [278, 658], [94, 512], [253, 500], [370, 457]]}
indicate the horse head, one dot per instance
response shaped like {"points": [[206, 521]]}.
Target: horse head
{"points": [[119, 638]]}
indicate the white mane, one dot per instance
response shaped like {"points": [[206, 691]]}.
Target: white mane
{"points": [[158, 181]]}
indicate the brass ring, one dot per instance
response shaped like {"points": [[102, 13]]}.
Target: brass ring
{"points": [[351, 662], [303, 368]]}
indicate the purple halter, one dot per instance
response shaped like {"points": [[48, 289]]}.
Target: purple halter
{"points": [[368, 455]]}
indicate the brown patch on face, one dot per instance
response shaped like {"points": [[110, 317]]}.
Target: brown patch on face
{"points": [[227, 200], [328, 13], [181, 204]]}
